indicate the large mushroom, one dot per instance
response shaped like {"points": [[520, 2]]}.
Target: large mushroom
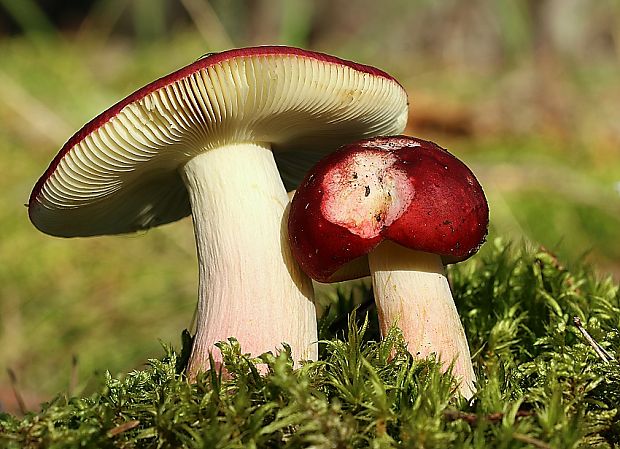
{"points": [[202, 141], [398, 208]]}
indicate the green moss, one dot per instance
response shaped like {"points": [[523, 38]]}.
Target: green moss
{"points": [[540, 383]]}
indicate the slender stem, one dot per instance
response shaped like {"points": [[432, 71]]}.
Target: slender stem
{"points": [[250, 286], [411, 290], [600, 351]]}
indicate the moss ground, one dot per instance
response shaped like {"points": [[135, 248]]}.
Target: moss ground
{"points": [[540, 383]]}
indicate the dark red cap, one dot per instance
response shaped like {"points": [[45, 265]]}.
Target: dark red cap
{"points": [[400, 188]]}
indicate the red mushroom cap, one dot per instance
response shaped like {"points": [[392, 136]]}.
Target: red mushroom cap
{"points": [[401, 188], [120, 172]]}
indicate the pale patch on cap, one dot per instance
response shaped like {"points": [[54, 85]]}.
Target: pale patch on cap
{"points": [[366, 192]]}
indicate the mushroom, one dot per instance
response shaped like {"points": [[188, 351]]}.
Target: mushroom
{"points": [[398, 208], [202, 141]]}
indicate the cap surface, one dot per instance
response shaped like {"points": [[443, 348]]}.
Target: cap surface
{"points": [[402, 189], [120, 172]]}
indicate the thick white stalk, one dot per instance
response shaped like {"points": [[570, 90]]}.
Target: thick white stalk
{"points": [[411, 290], [250, 286]]}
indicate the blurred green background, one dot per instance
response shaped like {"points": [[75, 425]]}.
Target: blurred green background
{"points": [[525, 92]]}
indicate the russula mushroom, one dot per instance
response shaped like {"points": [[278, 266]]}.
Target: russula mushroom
{"points": [[399, 208], [202, 141]]}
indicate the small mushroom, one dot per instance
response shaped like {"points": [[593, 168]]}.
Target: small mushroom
{"points": [[202, 141], [398, 208]]}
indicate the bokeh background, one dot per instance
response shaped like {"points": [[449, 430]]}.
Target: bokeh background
{"points": [[526, 92]]}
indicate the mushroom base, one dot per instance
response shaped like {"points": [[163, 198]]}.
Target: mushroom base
{"points": [[250, 286], [412, 291]]}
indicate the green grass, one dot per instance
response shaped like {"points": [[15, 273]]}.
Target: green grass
{"points": [[540, 384]]}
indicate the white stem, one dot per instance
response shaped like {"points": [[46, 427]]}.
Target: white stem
{"points": [[412, 291], [250, 286]]}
